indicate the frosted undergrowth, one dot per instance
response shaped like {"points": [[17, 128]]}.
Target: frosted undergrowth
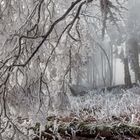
{"points": [[104, 105], [98, 104]]}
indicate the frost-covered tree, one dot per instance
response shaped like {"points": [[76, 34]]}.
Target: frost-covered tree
{"points": [[44, 45], [132, 42]]}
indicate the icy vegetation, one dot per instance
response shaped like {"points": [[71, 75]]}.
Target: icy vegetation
{"points": [[96, 106], [104, 105]]}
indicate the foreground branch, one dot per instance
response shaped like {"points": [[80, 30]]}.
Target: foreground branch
{"points": [[49, 31]]}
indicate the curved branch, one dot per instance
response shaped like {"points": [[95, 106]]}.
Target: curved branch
{"points": [[49, 31]]}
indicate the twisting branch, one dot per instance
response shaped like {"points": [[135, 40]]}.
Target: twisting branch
{"points": [[76, 17], [49, 31]]}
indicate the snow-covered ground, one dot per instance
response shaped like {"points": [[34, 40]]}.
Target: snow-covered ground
{"points": [[105, 105], [121, 105]]}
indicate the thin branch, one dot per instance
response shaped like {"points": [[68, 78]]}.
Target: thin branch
{"points": [[48, 33]]}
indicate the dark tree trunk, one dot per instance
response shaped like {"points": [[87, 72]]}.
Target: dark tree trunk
{"points": [[133, 55], [127, 77], [70, 57]]}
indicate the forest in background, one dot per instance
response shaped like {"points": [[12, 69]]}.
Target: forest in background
{"points": [[76, 58]]}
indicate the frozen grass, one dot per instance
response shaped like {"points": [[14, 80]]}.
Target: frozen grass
{"points": [[95, 106], [123, 104], [103, 106]]}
